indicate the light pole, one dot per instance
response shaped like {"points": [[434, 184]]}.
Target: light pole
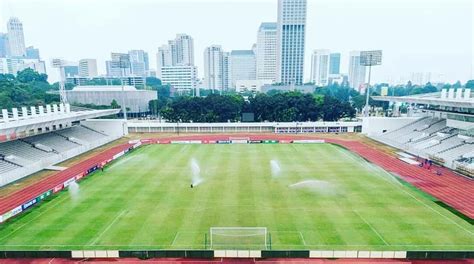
{"points": [[369, 58], [58, 63], [123, 63]]}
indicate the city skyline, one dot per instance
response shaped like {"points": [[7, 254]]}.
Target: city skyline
{"points": [[402, 57]]}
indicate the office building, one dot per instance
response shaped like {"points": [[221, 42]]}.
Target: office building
{"points": [[291, 41], [334, 63], [139, 63], [242, 65], [266, 51], [3, 45], [14, 65], [16, 38], [88, 68], [182, 78], [320, 67], [356, 71], [71, 70], [216, 68], [178, 52], [117, 68], [32, 53]]}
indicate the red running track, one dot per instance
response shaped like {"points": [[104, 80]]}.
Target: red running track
{"points": [[30, 192], [452, 189]]}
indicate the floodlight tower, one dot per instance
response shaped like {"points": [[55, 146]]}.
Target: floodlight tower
{"points": [[124, 63], [369, 58], [59, 64]]}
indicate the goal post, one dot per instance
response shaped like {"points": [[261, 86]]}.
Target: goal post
{"points": [[238, 238]]}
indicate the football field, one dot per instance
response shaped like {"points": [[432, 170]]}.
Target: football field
{"points": [[308, 196]]}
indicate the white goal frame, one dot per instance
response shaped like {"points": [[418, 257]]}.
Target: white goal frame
{"points": [[247, 232]]}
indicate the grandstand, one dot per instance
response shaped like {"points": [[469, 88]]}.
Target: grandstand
{"points": [[34, 139], [441, 130]]}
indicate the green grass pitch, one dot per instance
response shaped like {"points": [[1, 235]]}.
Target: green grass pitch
{"points": [[324, 198]]}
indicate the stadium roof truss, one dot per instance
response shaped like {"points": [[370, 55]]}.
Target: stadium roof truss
{"points": [[458, 103], [24, 125]]}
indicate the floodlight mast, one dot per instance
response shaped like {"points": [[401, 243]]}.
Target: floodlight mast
{"points": [[124, 63], [369, 58], [58, 63]]}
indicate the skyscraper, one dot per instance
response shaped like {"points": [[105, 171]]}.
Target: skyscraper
{"points": [[335, 63], [178, 52], [88, 68], [216, 70], [16, 38], [242, 64], [356, 71], [113, 66], [320, 67], [3, 45], [267, 51], [291, 41], [138, 62]]}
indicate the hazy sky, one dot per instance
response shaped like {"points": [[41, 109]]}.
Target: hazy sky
{"points": [[415, 35]]}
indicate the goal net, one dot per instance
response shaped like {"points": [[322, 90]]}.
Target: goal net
{"points": [[239, 140], [238, 238]]}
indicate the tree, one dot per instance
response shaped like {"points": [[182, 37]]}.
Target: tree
{"points": [[470, 84]]}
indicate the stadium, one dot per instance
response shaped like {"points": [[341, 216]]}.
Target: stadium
{"points": [[78, 185]]}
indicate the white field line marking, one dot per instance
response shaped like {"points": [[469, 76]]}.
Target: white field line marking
{"points": [[34, 218], [175, 237], [416, 199], [373, 229], [302, 238], [108, 227]]}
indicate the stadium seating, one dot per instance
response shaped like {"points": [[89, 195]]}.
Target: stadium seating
{"points": [[22, 157], [429, 137]]}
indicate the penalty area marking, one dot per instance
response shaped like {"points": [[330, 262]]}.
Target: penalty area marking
{"points": [[373, 229], [400, 186], [302, 238], [107, 228]]}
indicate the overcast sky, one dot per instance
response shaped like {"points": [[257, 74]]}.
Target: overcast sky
{"points": [[415, 35]]}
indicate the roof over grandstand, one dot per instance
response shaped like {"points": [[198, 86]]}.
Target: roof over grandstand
{"points": [[17, 122], [103, 88], [439, 98]]}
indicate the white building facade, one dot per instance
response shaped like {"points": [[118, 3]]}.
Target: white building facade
{"points": [[216, 68], [181, 78], [291, 41], [242, 64], [14, 65], [356, 71], [16, 38], [320, 67], [88, 68], [266, 51]]}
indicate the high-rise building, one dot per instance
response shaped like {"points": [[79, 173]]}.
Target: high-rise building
{"points": [[334, 63], [88, 68], [216, 68], [163, 59], [113, 67], [356, 71], [291, 41], [138, 62], [178, 52], [320, 67], [32, 53], [16, 64], [16, 38], [71, 70], [181, 78], [3, 45], [267, 51], [184, 49], [242, 65]]}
